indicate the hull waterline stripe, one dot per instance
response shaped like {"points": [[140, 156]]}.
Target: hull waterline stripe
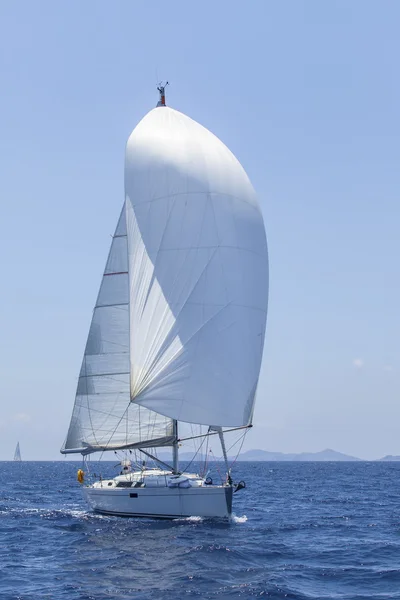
{"points": [[148, 516]]}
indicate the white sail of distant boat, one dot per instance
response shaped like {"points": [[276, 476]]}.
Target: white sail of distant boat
{"points": [[17, 453], [177, 332]]}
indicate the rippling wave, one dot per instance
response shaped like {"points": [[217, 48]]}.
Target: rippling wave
{"points": [[300, 531]]}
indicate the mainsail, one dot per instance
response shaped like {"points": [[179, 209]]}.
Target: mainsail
{"points": [[17, 453], [103, 417], [178, 329]]}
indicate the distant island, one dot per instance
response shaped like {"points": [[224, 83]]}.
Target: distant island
{"points": [[323, 455], [390, 457]]}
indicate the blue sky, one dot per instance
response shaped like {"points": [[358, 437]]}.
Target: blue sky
{"points": [[306, 95]]}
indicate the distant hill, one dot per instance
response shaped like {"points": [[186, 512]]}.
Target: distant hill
{"points": [[265, 455], [323, 455], [390, 457]]}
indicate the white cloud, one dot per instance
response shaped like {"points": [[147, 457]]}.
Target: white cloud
{"points": [[388, 368], [358, 363], [22, 417]]}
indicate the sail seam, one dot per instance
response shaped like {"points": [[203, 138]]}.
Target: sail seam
{"points": [[213, 247], [214, 192], [104, 374], [111, 305]]}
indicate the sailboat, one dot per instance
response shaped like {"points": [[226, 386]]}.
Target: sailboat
{"points": [[178, 328], [17, 453]]}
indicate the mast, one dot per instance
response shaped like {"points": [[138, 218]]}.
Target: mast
{"points": [[175, 456], [228, 471]]}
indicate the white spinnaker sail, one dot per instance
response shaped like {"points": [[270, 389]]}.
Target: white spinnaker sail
{"points": [[198, 267], [103, 416]]}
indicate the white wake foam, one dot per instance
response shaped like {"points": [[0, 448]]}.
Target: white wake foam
{"points": [[236, 519]]}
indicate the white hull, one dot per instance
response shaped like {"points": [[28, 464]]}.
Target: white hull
{"points": [[162, 502]]}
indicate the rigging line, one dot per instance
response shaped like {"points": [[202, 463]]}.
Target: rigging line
{"points": [[206, 458], [88, 405], [196, 453], [191, 431], [139, 420], [215, 433], [153, 416], [155, 458], [239, 451], [116, 427], [126, 426], [109, 413], [194, 443], [216, 465], [149, 425], [98, 462], [237, 441]]}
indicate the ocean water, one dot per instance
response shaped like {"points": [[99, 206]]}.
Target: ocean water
{"points": [[302, 531]]}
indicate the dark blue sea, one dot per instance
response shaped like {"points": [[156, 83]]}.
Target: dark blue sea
{"points": [[302, 531]]}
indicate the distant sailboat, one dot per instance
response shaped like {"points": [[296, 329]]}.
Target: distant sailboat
{"points": [[178, 329], [17, 454]]}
